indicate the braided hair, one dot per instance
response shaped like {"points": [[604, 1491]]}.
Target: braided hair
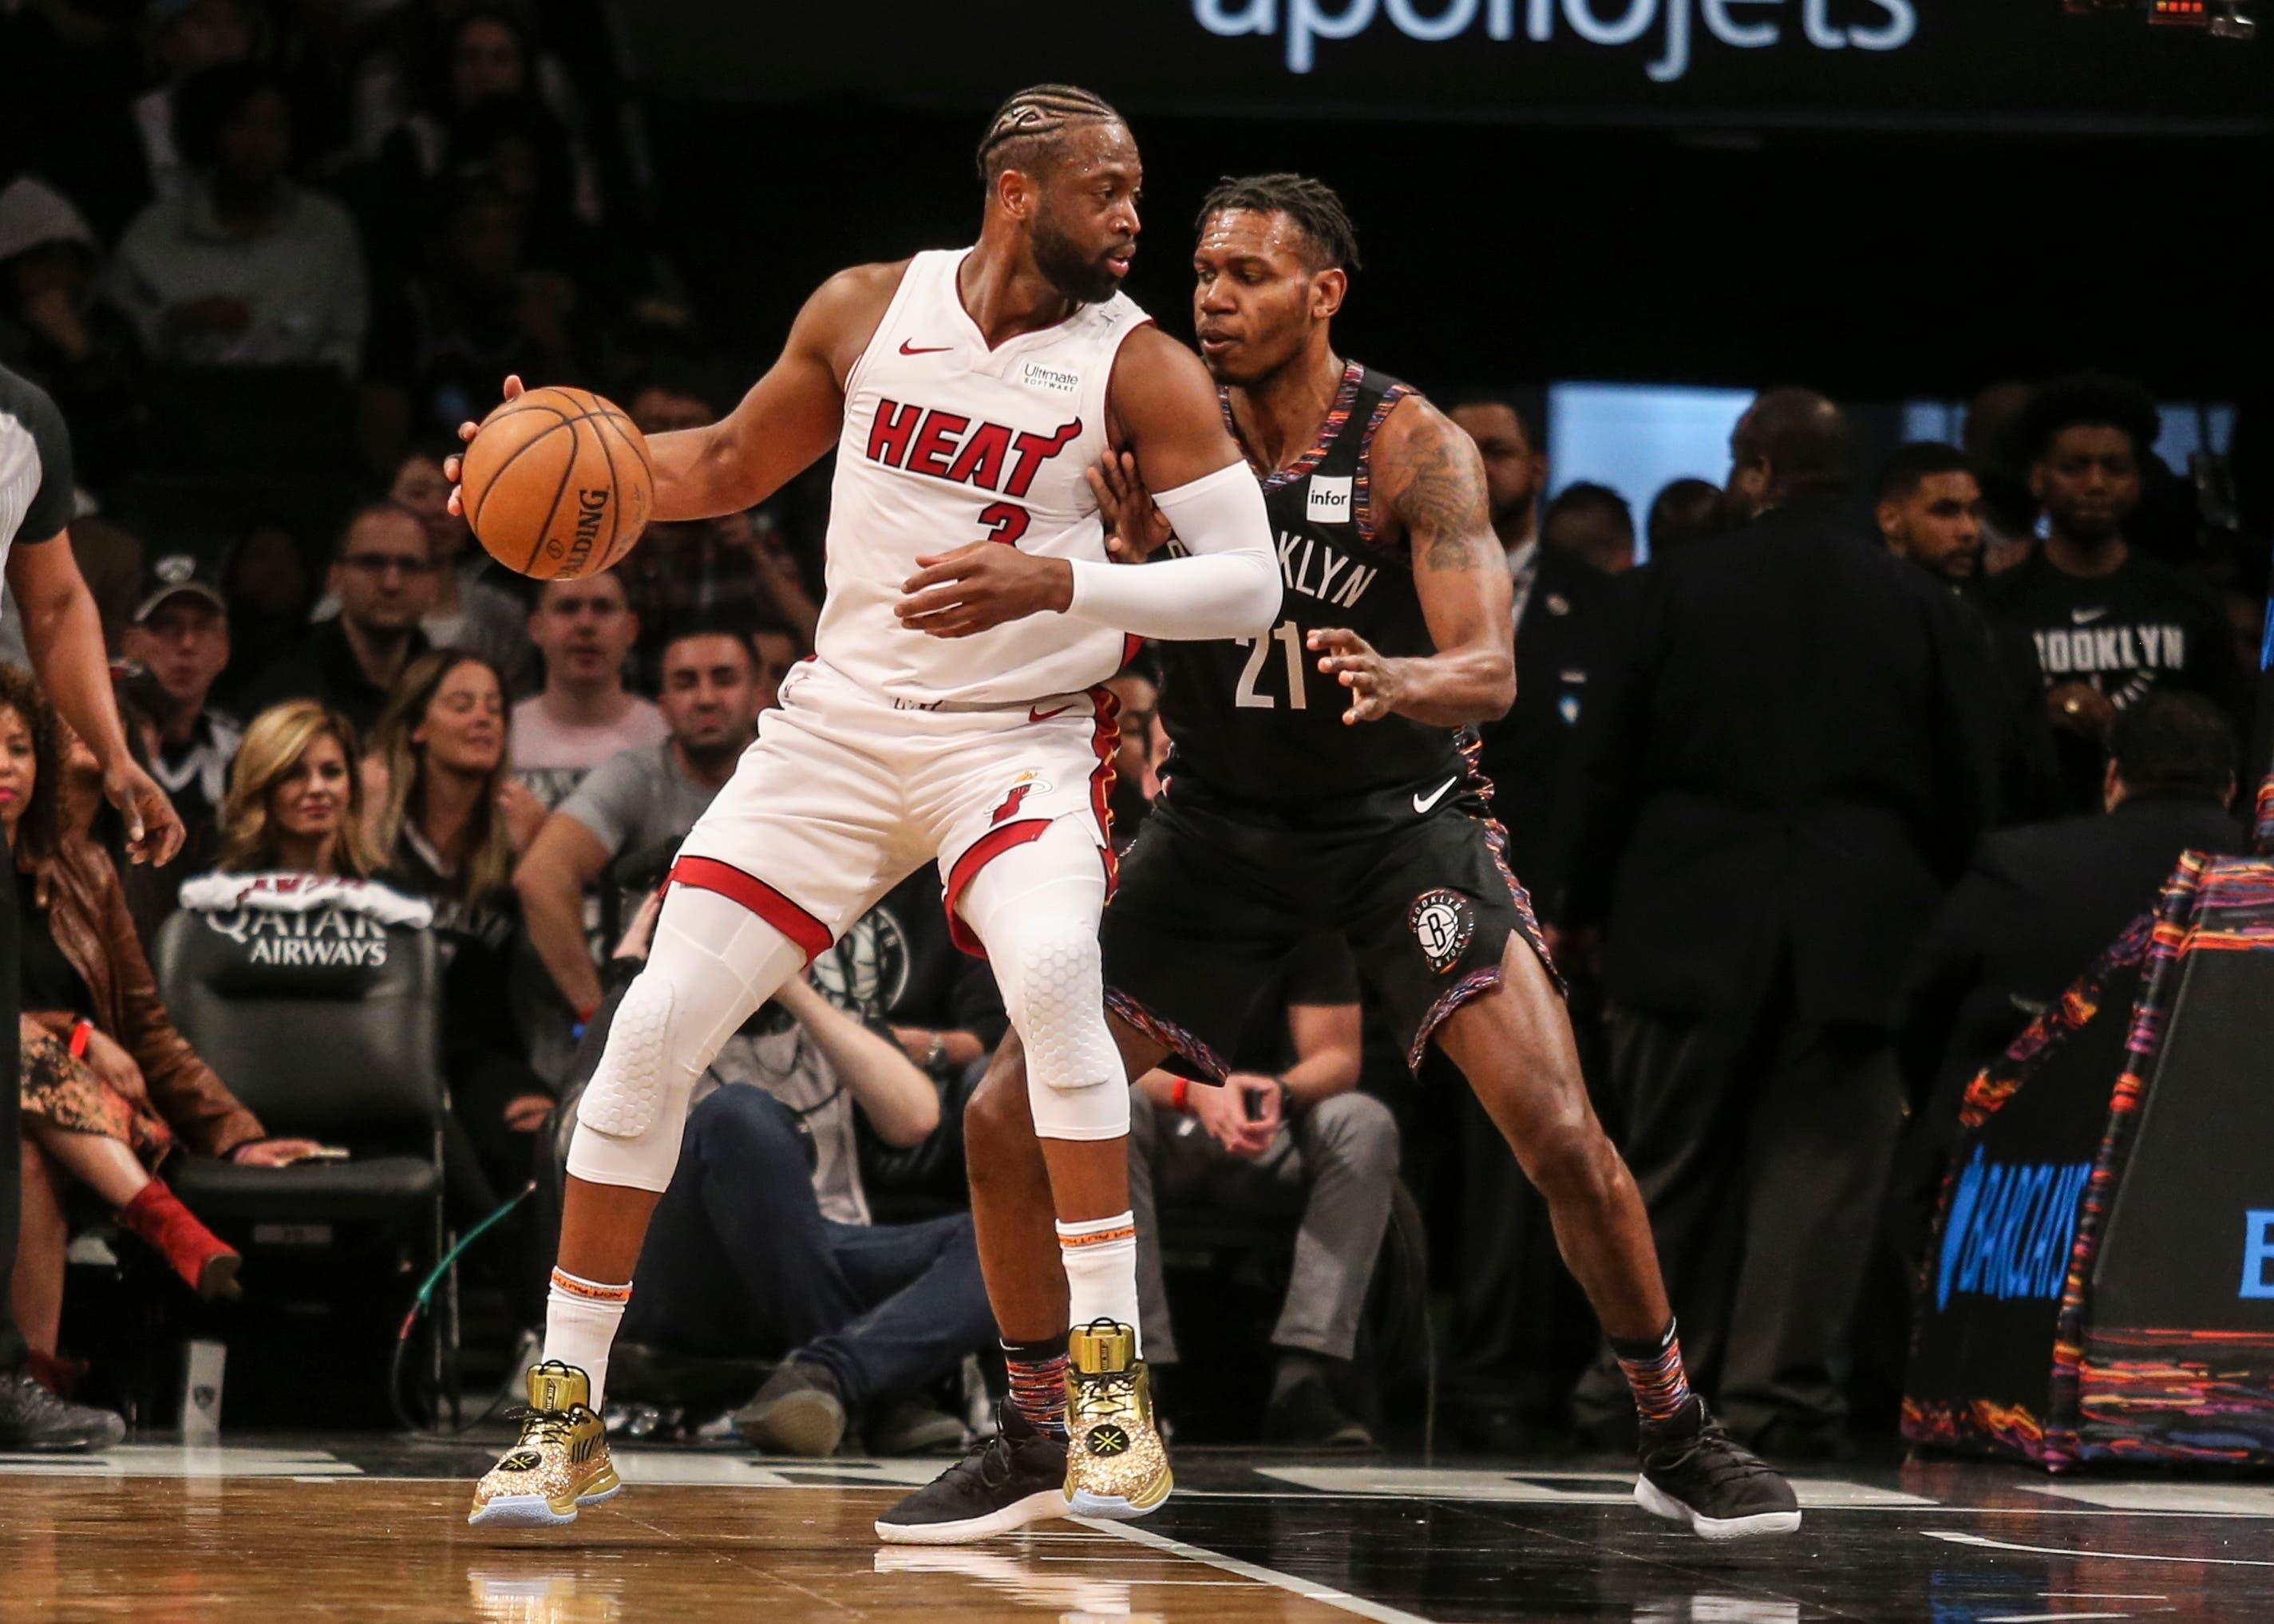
{"points": [[1310, 204], [1027, 130]]}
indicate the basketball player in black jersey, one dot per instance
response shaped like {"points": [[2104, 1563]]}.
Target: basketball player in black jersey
{"points": [[1322, 778]]}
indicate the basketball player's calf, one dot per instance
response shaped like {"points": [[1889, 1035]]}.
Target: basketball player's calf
{"points": [[1514, 1044]]}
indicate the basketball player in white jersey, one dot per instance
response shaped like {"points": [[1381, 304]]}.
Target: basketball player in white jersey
{"points": [[953, 714]]}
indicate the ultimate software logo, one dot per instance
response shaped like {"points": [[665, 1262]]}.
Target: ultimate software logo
{"points": [[2011, 1225]]}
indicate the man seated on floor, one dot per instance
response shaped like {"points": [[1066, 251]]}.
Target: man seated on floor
{"points": [[762, 1245], [1287, 1134]]}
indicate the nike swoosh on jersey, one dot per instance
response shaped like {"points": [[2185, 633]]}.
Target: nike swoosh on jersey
{"points": [[1034, 714], [2085, 616], [1422, 803], [907, 349]]}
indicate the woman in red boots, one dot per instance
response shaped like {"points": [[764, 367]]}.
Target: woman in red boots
{"points": [[108, 1088]]}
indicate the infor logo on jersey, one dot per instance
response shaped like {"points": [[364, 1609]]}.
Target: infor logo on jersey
{"points": [[1329, 498]]}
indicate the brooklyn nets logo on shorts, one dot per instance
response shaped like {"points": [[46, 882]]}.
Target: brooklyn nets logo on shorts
{"points": [[1442, 922]]}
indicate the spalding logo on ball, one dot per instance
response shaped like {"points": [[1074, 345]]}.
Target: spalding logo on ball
{"points": [[557, 483]]}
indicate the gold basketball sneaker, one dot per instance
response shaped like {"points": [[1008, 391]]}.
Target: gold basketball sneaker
{"points": [[559, 1463], [1117, 1465]]}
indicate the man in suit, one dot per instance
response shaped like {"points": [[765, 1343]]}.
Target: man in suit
{"points": [[1777, 785], [1521, 1328]]}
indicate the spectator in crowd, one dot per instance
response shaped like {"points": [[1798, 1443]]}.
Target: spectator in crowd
{"points": [[1140, 699], [187, 39], [1287, 1134], [1929, 513], [638, 800], [180, 635], [449, 822], [408, 99], [1592, 524], [2111, 624], [1515, 470], [1567, 615], [471, 611], [1776, 785], [584, 630], [244, 267], [108, 1088], [1683, 511], [270, 591], [764, 1242], [384, 578], [296, 800], [55, 331], [2041, 902]]}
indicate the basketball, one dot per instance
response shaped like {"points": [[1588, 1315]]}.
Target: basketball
{"points": [[557, 483]]}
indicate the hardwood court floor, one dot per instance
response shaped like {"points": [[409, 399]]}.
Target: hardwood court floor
{"points": [[374, 1530]]}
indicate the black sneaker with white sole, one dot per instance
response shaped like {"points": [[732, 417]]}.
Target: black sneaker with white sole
{"points": [[1013, 1478], [1694, 1472]]}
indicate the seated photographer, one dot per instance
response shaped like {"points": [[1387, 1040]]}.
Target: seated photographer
{"points": [[449, 820], [763, 1244], [108, 1088], [1287, 1134]]}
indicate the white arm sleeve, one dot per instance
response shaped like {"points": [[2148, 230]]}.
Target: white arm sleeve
{"points": [[1228, 588]]}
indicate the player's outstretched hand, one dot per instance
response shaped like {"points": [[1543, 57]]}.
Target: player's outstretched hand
{"points": [[1374, 682], [1134, 527], [980, 586], [452, 466]]}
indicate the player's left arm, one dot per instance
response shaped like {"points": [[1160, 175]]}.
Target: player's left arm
{"points": [[1429, 482], [1161, 408]]}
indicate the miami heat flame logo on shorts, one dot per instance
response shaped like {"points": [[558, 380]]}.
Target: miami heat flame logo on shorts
{"points": [[1442, 922]]}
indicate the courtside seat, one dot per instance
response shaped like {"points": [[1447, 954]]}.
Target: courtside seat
{"points": [[330, 1033]]}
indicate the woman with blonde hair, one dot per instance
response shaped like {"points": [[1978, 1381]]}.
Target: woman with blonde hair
{"points": [[296, 799], [448, 823], [108, 1088]]}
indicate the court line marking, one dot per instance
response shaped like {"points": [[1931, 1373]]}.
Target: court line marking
{"points": [[1983, 1540], [2043, 1617], [1306, 1588]]}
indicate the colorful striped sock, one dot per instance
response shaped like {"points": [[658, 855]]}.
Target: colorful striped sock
{"points": [[1653, 1369], [1038, 1372]]}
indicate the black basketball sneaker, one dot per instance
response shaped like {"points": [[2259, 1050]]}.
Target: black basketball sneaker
{"points": [[1694, 1472], [1006, 1481]]}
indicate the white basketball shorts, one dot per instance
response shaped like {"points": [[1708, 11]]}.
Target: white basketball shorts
{"points": [[844, 794]]}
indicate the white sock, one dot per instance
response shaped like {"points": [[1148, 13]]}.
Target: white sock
{"points": [[1101, 1265], [581, 1317]]}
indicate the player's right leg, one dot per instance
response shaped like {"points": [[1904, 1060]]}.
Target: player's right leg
{"points": [[714, 962], [802, 841]]}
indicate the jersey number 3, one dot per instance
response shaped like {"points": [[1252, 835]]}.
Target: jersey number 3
{"points": [[1245, 695], [1005, 522]]}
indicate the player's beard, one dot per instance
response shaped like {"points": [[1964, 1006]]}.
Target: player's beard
{"points": [[1064, 266]]}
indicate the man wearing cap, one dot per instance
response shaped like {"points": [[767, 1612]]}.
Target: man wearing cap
{"points": [[180, 635]]}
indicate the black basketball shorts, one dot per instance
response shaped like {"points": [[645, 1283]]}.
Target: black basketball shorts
{"points": [[1210, 903]]}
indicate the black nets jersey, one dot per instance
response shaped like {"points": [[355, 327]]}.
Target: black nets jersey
{"points": [[1252, 721]]}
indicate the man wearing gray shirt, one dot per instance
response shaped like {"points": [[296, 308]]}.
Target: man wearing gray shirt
{"points": [[638, 799]]}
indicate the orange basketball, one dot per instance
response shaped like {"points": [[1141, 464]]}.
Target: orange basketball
{"points": [[557, 483]]}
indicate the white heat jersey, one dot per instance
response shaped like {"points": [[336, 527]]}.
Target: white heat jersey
{"points": [[946, 442]]}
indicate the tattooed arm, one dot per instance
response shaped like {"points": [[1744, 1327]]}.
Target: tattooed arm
{"points": [[1429, 486]]}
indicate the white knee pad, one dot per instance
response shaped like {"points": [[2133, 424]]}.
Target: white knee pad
{"points": [[713, 961], [1036, 908]]}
